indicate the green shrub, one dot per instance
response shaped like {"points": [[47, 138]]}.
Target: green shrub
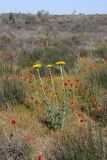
{"points": [[102, 52], [6, 68], [13, 91], [99, 76], [27, 58], [84, 53], [55, 119], [12, 148], [54, 54], [47, 55]]}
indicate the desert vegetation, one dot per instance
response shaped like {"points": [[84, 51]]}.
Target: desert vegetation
{"points": [[53, 87]]}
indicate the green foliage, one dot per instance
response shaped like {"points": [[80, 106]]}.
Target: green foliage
{"points": [[99, 76], [91, 99], [55, 118], [26, 59], [12, 91], [48, 55], [6, 68], [54, 54], [84, 53], [102, 52]]}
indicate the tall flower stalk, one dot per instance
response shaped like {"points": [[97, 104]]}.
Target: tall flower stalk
{"points": [[64, 106], [53, 85], [62, 77], [38, 66]]}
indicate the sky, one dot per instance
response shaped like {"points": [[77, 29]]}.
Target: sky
{"points": [[54, 6]]}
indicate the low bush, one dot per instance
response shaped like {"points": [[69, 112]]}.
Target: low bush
{"points": [[6, 68], [12, 148], [83, 147], [99, 76], [102, 52], [13, 91]]}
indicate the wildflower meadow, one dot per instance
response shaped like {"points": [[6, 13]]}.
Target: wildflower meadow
{"points": [[53, 93]]}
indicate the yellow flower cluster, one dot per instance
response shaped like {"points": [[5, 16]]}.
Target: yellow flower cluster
{"points": [[37, 65], [60, 63], [49, 65]]}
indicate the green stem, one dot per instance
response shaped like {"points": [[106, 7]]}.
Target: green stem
{"points": [[53, 86], [65, 97], [43, 88]]}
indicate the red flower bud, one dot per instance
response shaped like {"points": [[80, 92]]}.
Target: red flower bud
{"points": [[39, 157], [65, 83], [13, 121], [81, 120], [27, 138]]}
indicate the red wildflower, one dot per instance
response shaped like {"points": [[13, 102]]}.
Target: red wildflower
{"points": [[105, 59], [76, 87], [77, 80], [39, 157], [46, 88], [13, 121], [94, 99], [32, 71], [27, 138], [32, 98], [90, 99], [80, 115], [65, 83], [81, 120]]}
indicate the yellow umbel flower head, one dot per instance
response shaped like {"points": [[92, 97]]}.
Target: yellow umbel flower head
{"points": [[49, 66], [60, 63], [37, 65]]}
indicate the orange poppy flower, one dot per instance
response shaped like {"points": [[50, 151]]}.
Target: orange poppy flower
{"points": [[27, 139], [13, 121]]}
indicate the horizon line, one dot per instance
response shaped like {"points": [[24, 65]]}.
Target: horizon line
{"points": [[17, 12]]}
